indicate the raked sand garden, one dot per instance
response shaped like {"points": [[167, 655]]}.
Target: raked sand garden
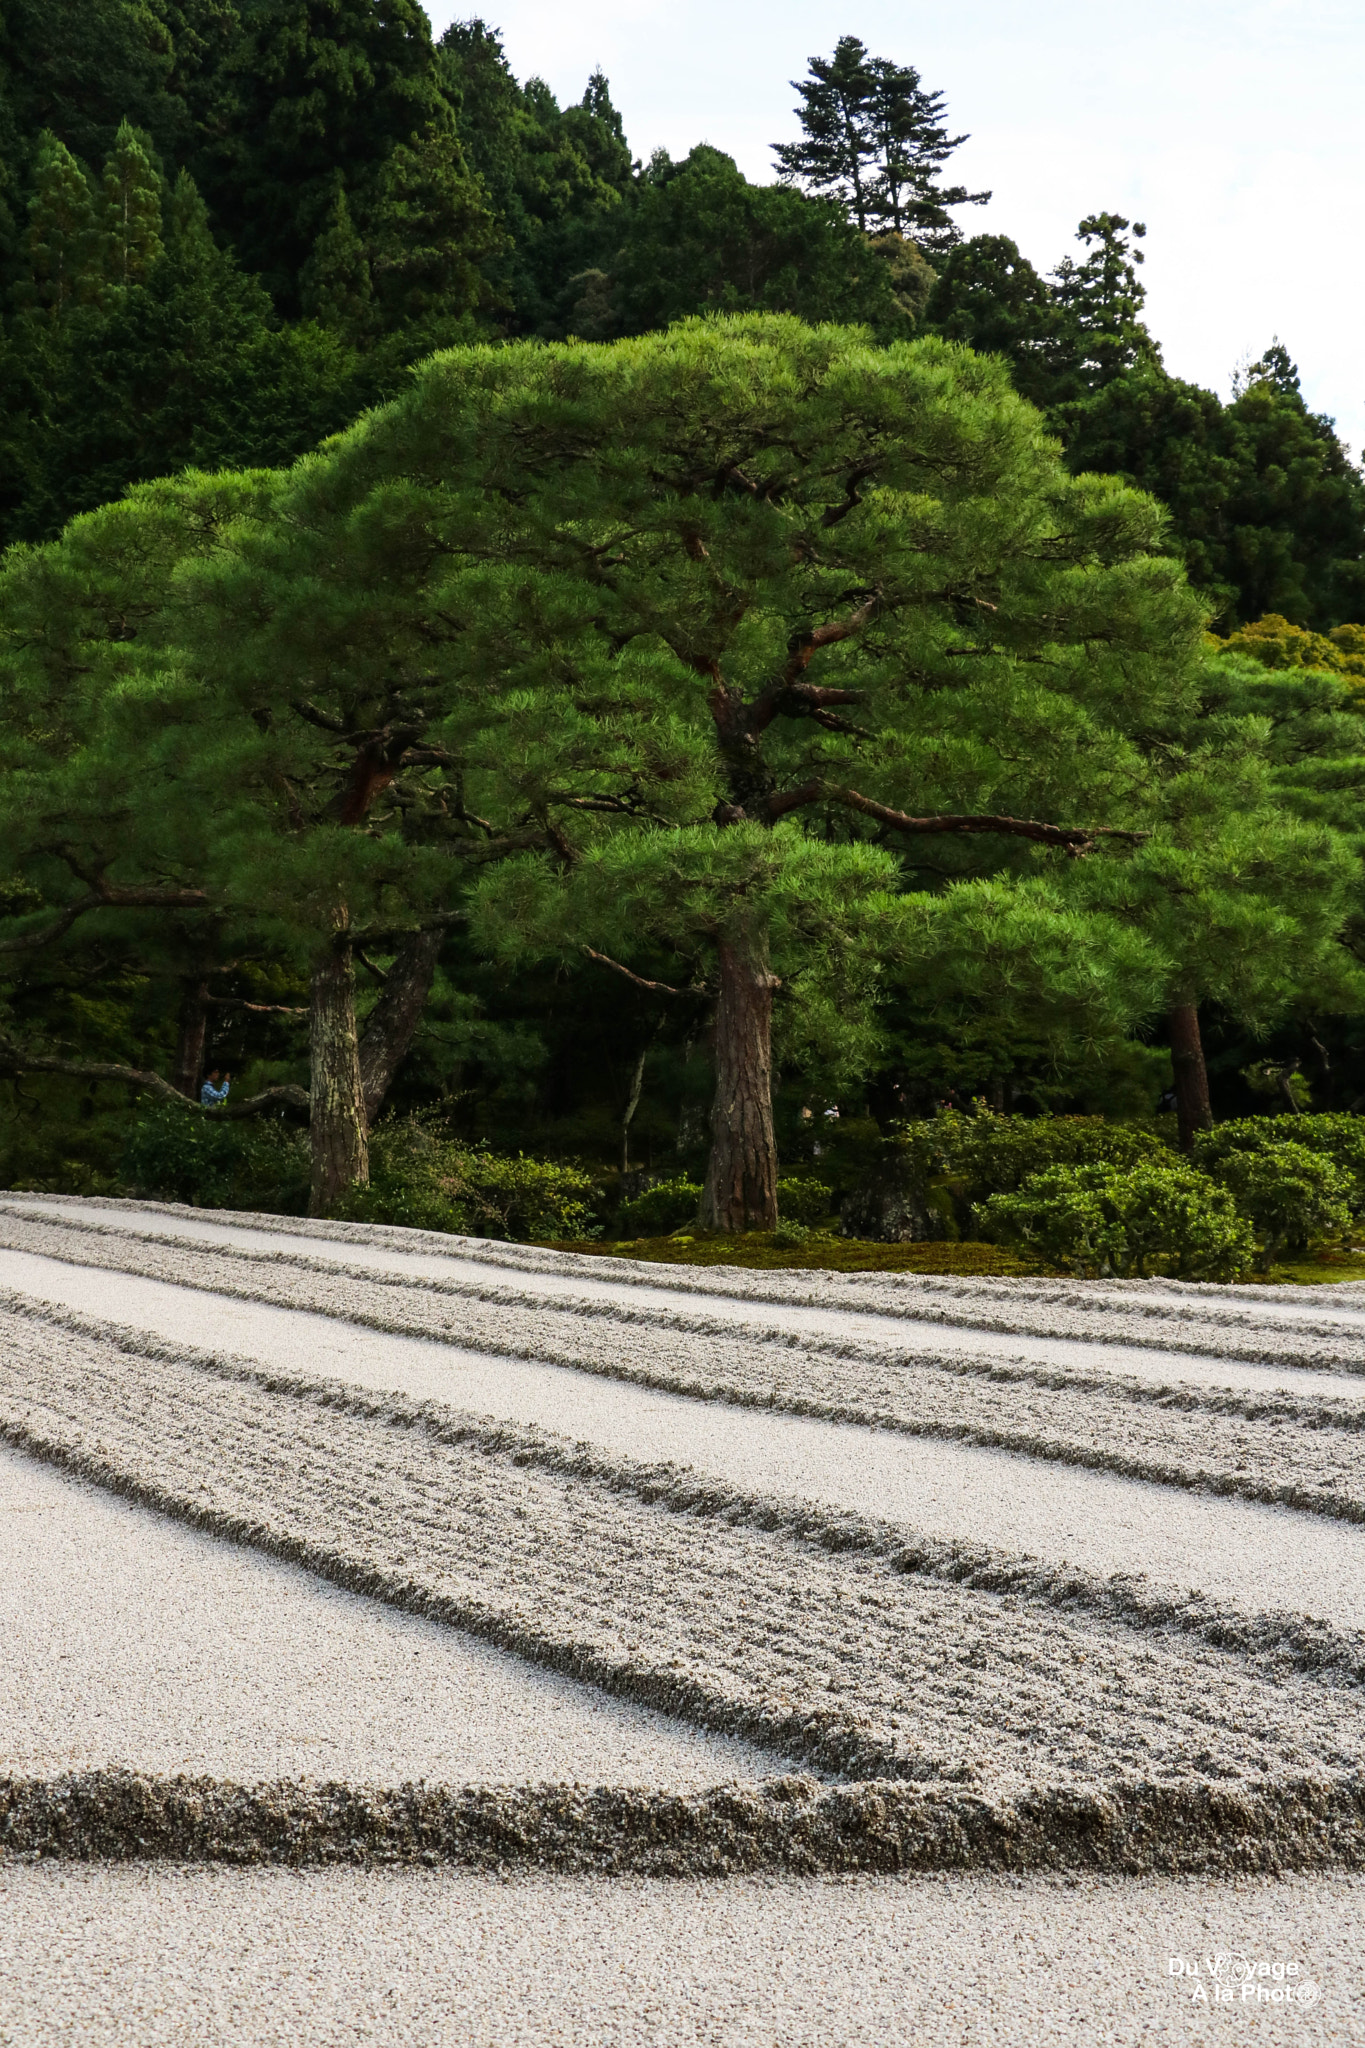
{"points": [[424, 1639]]}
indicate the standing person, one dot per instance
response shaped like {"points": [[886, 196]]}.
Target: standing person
{"points": [[210, 1095]]}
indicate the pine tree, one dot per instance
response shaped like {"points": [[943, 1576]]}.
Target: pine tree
{"points": [[875, 141], [130, 210], [718, 619]]}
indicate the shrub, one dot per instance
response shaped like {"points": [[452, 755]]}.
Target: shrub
{"points": [[661, 1209], [994, 1154], [425, 1181], [1338, 1137], [1291, 1194], [1153, 1216], [213, 1162], [803, 1200]]}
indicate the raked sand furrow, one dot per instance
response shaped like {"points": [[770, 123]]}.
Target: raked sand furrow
{"points": [[1268, 1442], [1327, 1332], [821, 1645], [133, 1642], [1233, 1551]]}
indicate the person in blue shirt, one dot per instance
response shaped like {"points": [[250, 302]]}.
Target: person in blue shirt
{"points": [[211, 1094]]}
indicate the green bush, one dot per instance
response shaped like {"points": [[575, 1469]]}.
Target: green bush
{"points": [[1152, 1217], [1339, 1138], [803, 1200], [991, 1154], [666, 1207], [214, 1162], [1291, 1194], [424, 1181]]}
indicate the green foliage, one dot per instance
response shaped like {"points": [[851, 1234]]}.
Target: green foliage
{"points": [[215, 1162], [1278, 645], [669, 1205], [425, 1181], [1297, 1178], [874, 141], [1153, 1217], [700, 238], [803, 1200], [989, 1154]]}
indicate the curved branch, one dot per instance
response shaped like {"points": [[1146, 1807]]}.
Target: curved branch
{"points": [[14, 1061], [658, 988], [106, 895], [1073, 838]]}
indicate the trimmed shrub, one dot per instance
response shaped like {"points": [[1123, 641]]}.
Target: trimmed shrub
{"points": [[214, 1162], [803, 1200], [1153, 1217], [992, 1154], [660, 1210], [1337, 1137], [1292, 1194], [424, 1181]]}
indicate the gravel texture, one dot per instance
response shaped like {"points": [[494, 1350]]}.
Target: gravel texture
{"points": [[154, 1956], [1017, 1732], [945, 1489], [133, 1641], [1182, 1315]]}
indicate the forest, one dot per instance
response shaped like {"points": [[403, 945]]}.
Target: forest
{"points": [[605, 701]]}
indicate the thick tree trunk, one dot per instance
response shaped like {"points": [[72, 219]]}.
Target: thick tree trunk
{"points": [[395, 1017], [1192, 1110], [190, 1032], [341, 1157], [741, 1178]]}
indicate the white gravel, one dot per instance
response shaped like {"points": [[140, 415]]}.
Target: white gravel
{"points": [[132, 1640], [153, 1956], [914, 1314], [1255, 1556]]}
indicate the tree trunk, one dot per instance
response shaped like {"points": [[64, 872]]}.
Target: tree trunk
{"points": [[1192, 1110], [190, 1032], [341, 1157], [395, 1017], [741, 1178]]}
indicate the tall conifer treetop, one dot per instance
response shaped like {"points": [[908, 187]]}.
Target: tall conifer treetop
{"points": [[875, 141]]}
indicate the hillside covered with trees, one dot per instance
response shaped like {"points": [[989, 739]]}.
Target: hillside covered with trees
{"points": [[740, 653]]}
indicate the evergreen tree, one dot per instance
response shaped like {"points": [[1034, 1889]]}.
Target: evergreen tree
{"points": [[130, 210], [63, 247], [990, 296], [875, 142], [700, 238], [315, 90], [708, 615], [1100, 334]]}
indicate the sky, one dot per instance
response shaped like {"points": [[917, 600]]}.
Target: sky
{"points": [[1232, 130]]}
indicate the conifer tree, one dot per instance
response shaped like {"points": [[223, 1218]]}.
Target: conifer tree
{"points": [[875, 141], [130, 210], [705, 614], [63, 238]]}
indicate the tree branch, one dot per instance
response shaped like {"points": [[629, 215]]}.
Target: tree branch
{"points": [[106, 895], [787, 695], [658, 988], [14, 1061], [1074, 839]]}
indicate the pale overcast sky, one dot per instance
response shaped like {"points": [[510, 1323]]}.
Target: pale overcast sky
{"points": [[1232, 127]]}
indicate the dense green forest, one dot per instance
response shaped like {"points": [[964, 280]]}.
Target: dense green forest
{"points": [[741, 652]]}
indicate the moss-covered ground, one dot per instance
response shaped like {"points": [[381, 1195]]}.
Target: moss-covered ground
{"points": [[762, 1250]]}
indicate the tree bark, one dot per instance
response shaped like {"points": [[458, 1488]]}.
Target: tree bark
{"points": [[191, 1030], [741, 1177], [341, 1157], [1193, 1113], [395, 1017]]}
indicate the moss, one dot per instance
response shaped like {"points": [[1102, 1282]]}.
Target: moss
{"points": [[759, 1249]]}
